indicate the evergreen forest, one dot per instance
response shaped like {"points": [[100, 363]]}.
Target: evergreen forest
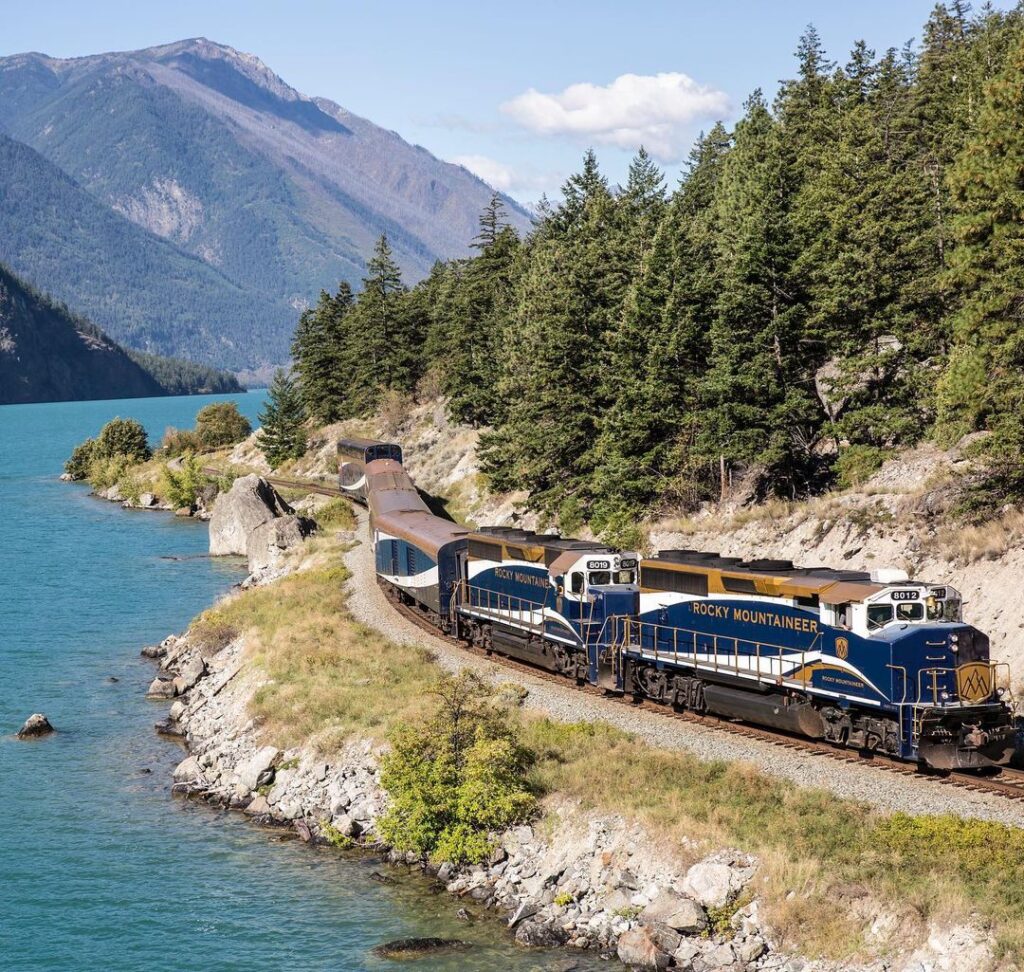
{"points": [[837, 277]]}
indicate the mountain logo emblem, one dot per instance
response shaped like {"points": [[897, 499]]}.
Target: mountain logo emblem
{"points": [[974, 682], [842, 647]]}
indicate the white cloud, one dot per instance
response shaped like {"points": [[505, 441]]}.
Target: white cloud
{"points": [[515, 182], [652, 110]]}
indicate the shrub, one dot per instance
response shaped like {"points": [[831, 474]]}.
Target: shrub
{"points": [[176, 442], [457, 777], [106, 471], [123, 437], [857, 463], [337, 513], [221, 424], [623, 531], [182, 486], [77, 466]]}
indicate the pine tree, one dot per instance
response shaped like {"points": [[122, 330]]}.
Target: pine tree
{"points": [[983, 387], [758, 407], [282, 432], [321, 349]]}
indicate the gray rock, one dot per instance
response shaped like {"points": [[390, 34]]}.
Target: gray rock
{"points": [[188, 771], [35, 725], [712, 883], [538, 934], [445, 872], [191, 673], [526, 909], [415, 947], [250, 502], [684, 955], [147, 501], [268, 542], [346, 826], [750, 950], [640, 948], [161, 688], [720, 957], [259, 806], [617, 900], [679, 913], [259, 770]]}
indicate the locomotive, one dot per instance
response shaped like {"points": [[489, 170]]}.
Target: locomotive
{"points": [[872, 661]]}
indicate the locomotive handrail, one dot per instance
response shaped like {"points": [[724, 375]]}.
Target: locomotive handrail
{"points": [[633, 632]]}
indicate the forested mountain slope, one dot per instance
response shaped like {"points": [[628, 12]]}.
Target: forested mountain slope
{"points": [[141, 289], [835, 279], [206, 147], [47, 354]]}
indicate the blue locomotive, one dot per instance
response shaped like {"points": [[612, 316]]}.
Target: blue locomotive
{"points": [[876, 662]]}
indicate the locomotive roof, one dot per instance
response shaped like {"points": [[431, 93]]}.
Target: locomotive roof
{"points": [[556, 552], [357, 442], [772, 577]]}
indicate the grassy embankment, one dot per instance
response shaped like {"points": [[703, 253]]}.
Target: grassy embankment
{"points": [[331, 678]]}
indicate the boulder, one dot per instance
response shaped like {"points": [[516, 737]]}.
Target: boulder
{"points": [[147, 501], [538, 934], [526, 909], [250, 502], [161, 689], [188, 771], [268, 543], [679, 913], [36, 725], [258, 806], [750, 949], [346, 826], [259, 770], [713, 883], [190, 674], [642, 948]]}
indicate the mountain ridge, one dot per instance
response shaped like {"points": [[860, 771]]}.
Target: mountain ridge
{"points": [[204, 146]]}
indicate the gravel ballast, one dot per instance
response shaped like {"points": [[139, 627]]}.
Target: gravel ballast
{"points": [[885, 790]]}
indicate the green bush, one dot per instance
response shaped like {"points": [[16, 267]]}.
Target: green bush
{"points": [[123, 437], [221, 424], [857, 463], [106, 471], [182, 486], [456, 778], [77, 467], [176, 442]]}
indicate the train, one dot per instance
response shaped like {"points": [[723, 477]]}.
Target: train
{"points": [[873, 661]]}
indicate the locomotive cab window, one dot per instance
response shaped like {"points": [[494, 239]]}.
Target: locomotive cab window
{"points": [[909, 611], [600, 577], [623, 577], [879, 615], [576, 582]]}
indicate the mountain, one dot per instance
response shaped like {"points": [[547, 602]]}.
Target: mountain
{"points": [[47, 354], [209, 150], [142, 289]]}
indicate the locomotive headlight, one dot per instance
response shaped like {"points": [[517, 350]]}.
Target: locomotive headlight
{"points": [[954, 637]]}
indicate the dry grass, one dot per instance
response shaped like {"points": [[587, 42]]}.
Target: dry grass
{"points": [[985, 541], [814, 848], [328, 677]]}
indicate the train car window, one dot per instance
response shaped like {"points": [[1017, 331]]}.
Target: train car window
{"points": [[624, 577], [576, 582], [951, 610], [879, 615], [912, 611], [843, 615], [600, 577]]}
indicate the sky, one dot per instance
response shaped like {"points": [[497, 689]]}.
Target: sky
{"points": [[516, 91]]}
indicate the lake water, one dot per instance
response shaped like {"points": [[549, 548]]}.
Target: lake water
{"points": [[100, 867]]}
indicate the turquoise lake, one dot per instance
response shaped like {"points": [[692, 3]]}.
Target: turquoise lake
{"points": [[100, 867]]}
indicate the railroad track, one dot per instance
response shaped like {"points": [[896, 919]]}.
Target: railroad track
{"points": [[1009, 783]]}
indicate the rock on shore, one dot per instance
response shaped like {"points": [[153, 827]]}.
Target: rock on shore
{"points": [[250, 503]]}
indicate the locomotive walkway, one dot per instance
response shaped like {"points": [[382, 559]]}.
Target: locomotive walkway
{"points": [[885, 789]]}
